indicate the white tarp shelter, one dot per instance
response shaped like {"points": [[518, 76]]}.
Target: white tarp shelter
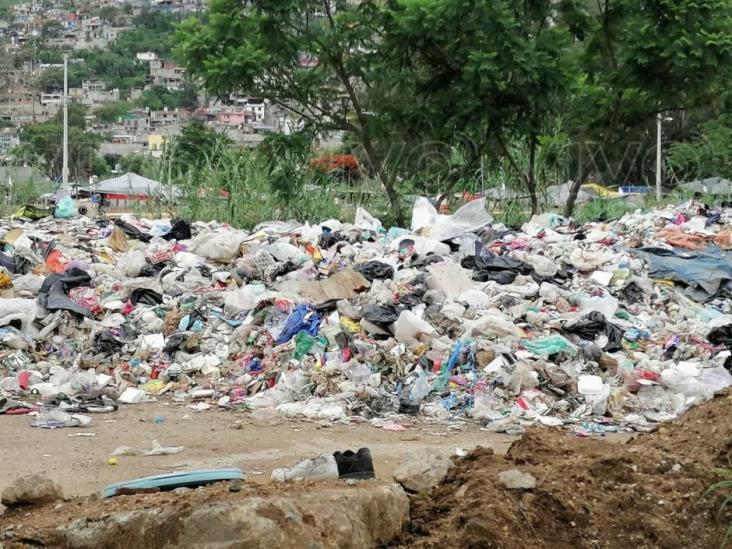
{"points": [[130, 187]]}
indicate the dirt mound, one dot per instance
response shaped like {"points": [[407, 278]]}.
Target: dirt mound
{"points": [[646, 493]]}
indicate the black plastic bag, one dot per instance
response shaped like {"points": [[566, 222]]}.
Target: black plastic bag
{"points": [[181, 230], [496, 263], [132, 231], [595, 323], [499, 268], [146, 297], [422, 261], [380, 315], [150, 270], [632, 293], [106, 343], [502, 277], [375, 270], [329, 239], [721, 336], [174, 342]]}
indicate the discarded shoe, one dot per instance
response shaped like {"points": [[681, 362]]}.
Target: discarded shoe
{"points": [[323, 467], [355, 465]]}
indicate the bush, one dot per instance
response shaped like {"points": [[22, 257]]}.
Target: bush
{"points": [[236, 189]]}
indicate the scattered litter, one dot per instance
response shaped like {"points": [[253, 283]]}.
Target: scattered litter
{"points": [[156, 450], [609, 325]]}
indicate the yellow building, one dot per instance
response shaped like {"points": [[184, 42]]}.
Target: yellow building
{"points": [[156, 144]]}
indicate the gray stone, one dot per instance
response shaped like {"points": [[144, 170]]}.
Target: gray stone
{"points": [[31, 490], [423, 471], [370, 515], [513, 479]]}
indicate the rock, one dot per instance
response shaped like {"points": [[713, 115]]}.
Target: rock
{"points": [[513, 479], [235, 486], [369, 515], [423, 471], [31, 490]]}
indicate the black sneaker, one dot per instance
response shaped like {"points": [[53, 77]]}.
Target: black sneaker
{"points": [[358, 465]]}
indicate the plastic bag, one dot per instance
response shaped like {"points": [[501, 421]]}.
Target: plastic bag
{"points": [[593, 324], [65, 209], [217, 246], [375, 270], [469, 218], [607, 305], [364, 220], [424, 214], [303, 319], [156, 450], [420, 388], [721, 336], [380, 315], [131, 263], [524, 377], [550, 345], [494, 323], [409, 327]]}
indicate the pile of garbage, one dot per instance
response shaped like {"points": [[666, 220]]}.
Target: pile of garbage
{"points": [[606, 326]]}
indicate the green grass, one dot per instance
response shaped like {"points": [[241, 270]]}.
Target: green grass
{"points": [[24, 192], [237, 190], [723, 489]]}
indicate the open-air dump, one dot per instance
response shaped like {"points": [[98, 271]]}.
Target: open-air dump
{"points": [[454, 383]]}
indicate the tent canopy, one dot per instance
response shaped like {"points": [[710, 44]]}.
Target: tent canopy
{"points": [[132, 184]]}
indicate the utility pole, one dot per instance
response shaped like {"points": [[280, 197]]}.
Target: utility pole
{"points": [[660, 119], [659, 124], [65, 169]]}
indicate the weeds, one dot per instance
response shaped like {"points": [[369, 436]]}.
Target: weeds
{"points": [[236, 189], [724, 486]]}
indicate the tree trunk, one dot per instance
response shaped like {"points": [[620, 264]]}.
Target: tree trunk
{"points": [[572, 198], [391, 193]]}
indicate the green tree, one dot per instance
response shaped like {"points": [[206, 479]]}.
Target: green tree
{"points": [[188, 96], [76, 115], [158, 98], [196, 145], [485, 75], [52, 29], [112, 14], [115, 69], [709, 154], [44, 144], [641, 58], [51, 80], [304, 57], [112, 112]]}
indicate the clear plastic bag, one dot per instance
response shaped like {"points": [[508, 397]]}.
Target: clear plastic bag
{"points": [[65, 209]]}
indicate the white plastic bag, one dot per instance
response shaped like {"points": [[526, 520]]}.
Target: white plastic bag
{"points": [[219, 246], [364, 220], [131, 263], [409, 327]]}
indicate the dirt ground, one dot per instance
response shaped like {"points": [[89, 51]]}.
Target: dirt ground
{"points": [[644, 492], [647, 493], [212, 439]]}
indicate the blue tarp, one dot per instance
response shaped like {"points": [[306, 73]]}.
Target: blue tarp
{"points": [[705, 272], [302, 319]]}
